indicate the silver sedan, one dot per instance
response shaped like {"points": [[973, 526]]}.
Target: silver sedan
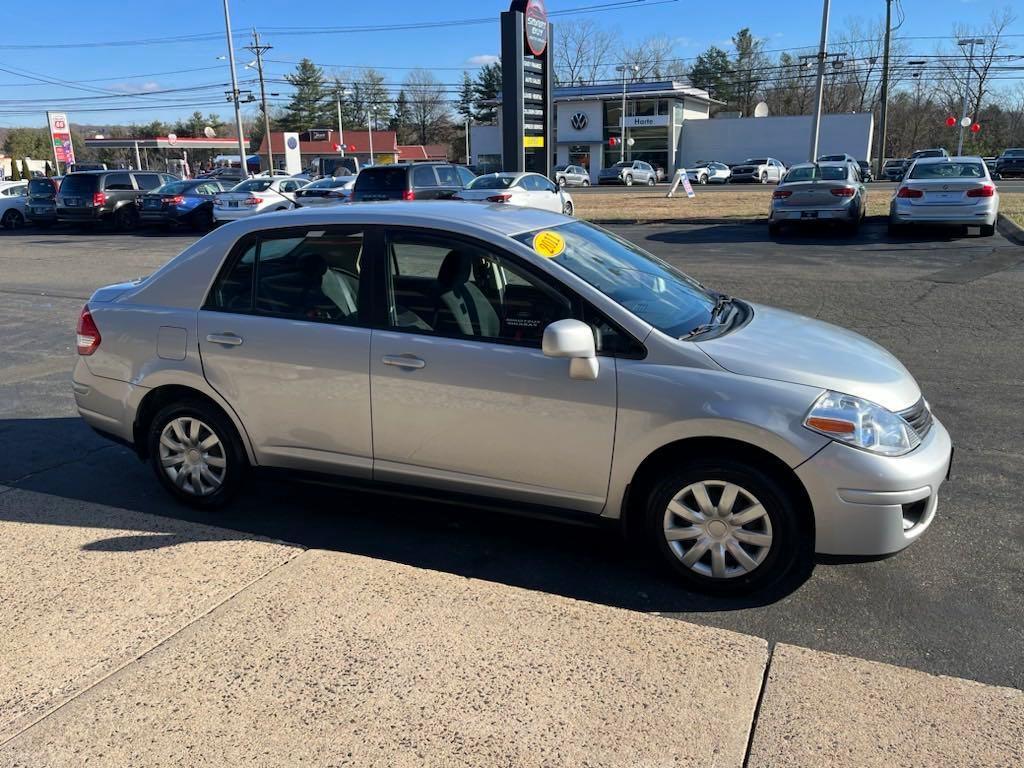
{"points": [[819, 192], [946, 190], [517, 355]]}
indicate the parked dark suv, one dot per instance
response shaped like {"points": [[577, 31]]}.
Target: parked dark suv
{"points": [[41, 206], [410, 181], [1010, 163], [92, 196]]}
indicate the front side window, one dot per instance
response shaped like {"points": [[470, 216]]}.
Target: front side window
{"points": [[650, 288], [299, 274], [455, 288], [423, 176], [447, 177], [118, 181], [465, 176]]}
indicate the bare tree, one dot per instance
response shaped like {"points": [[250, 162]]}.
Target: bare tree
{"points": [[651, 59], [978, 68], [427, 106], [583, 52]]}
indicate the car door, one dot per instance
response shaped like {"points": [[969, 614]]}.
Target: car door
{"points": [[424, 182], [284, 338], [463, 397], [449, 181]]}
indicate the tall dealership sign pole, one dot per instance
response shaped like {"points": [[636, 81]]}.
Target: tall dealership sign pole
{"points": [[527, 71]]}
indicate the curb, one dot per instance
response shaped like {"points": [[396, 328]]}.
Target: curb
{"points": [[1010, 230]]}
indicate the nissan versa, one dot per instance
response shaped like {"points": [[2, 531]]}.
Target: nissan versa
{"points": [[514, 357]]}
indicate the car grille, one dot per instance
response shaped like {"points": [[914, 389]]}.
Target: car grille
{"points": [[919, 416]]}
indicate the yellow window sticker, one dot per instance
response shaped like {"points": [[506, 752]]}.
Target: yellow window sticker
{"points": [[548, 244]]}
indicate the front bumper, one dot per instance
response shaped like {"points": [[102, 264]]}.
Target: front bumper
{"points": [[744, 177], [870, 505], [610, 180]]}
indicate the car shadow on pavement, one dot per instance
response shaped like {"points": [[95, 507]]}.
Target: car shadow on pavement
{"points": [[77, 478]]}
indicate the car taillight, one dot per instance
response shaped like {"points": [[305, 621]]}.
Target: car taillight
{"points": [[499, 198], [88, 335], [408, 195], [908, 192], [986, 191], [99, 198], [176, 200], [778, 194], [253, 200], [843, 191]]}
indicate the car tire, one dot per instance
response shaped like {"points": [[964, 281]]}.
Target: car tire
{"points": [[651, 181], [561, 181], [586, 182], [125, 218], [223, 460], [743, 545], [12, 220], [203, 220], [702, 179], [988, 230], [764, 177], [567, 208], [628, 181]]}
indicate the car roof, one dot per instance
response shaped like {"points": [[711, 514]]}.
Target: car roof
{"points": [[958, 158], [822, 164]]}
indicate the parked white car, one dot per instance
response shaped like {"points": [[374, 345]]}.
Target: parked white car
{"points": [[529, 190], [12, 204], [255, 196], [758, 169], [712, 172], [956, 191], [330, 191]]}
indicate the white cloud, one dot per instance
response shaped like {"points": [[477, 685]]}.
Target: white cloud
{"points": [[481, 59], [135, 87]]}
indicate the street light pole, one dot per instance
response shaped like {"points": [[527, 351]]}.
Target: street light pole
{"points": [[822, 56], [339, 94], [972, 41], [259, 50], [622, 135], [369, 128], [234, 93], [885, 91]]}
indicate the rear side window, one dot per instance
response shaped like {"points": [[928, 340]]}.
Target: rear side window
{"points": [[423, 176], [447, 177], [380, 179], [118, 181], [465, 175]]}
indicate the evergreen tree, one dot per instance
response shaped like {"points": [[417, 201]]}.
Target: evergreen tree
{"points": [[401, 118], [486, 88], [711, 71], [15, 170], [466, 98], [306, 109], [26, 172]]}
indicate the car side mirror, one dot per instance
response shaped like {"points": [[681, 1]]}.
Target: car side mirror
{"points": [[575, 340]]}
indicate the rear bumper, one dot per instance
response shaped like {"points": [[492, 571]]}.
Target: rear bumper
{"points": [[869, 505], [105, 404], [40, 213], [811, 214], [970, 216], [164, 215], [79, 214], [234, 214]]}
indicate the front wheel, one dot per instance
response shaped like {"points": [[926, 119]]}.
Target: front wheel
{"points": [[702, 179], [725, 526], [567, 208], [629, 181], [764, 178], [196, 454], [651, 181], [12, 220], [586, 182]]}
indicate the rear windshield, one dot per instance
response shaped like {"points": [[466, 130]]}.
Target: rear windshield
{"points": [[382, 178], [491, 182], [623, 164], [823, 173], [948, 171], [41, 187], [253, 185], [174, 188], [331, 183], [78, 184], [928, 153], [1014, 153]]}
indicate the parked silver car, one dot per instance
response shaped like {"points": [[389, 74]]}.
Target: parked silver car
{"points": [[572, 176], [469, 351], [819, 192], [711, 172], [628, 172], [946, 190], [758, 169]]}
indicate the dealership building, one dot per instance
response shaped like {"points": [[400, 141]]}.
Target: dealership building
{"points": [[668, 123]]}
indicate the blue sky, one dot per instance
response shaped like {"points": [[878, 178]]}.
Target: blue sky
{"points": [[88, 76]]}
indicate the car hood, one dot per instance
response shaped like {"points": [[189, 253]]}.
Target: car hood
{"points": [[785, 346]]}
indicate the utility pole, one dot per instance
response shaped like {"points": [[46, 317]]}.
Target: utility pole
{"points": [[370, 118], [467, 141], [235, 96], [822, 55], [259, 50], [341, 92], [972, 41], [880, 158]]}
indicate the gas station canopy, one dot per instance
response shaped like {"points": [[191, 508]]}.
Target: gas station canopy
{"points": [[165, 142]]}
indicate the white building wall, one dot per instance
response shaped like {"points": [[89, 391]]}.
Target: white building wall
{"points": [[732, 140]]}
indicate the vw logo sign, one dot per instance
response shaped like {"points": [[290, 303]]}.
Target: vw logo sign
{"points": [[579, 121], [292, 142]]}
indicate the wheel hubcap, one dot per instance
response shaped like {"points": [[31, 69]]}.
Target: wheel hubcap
{"points": [[192, 456], [718, 529]]}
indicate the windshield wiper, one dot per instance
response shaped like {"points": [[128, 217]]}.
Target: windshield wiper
{"points": [[721, 302]]}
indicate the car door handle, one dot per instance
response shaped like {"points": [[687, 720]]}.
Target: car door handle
{"points": [[404, 361], [229, 339]]}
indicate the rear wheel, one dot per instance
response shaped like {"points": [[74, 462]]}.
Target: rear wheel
{"points": [[988, 230], [567, 208], [203, 219], [629, 180], [586, 182], [651, 181], [725, 526], [12, 219], [196, 454], [125, 218]]}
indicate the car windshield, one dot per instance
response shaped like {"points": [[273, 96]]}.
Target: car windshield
{"points": [[1014, 153], [253, 185], [332, 183], [948, 171], [491, 182], [816, 173], [561, 167], [928, 153], [826, 158], [650, 288], [623, 164], [756, 161], [893, 163], [174, 188]]}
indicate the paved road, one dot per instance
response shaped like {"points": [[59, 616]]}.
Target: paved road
{"points": [[876, 188], [950, 308]]}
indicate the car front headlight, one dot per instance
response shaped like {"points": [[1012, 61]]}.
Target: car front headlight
{"points": [[861, 424]]}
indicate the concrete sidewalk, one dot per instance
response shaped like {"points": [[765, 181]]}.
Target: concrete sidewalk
{"points": [[136, 640]]}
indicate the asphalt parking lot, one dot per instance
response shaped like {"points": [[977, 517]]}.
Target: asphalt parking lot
{"points": [[949, 307]]}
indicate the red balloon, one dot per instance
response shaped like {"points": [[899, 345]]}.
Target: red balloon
{"points": [[612, 141], [351, 147], [950, 121], [975, 128]]}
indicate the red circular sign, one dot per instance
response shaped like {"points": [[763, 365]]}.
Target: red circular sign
{"points": [[536, 19]]}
